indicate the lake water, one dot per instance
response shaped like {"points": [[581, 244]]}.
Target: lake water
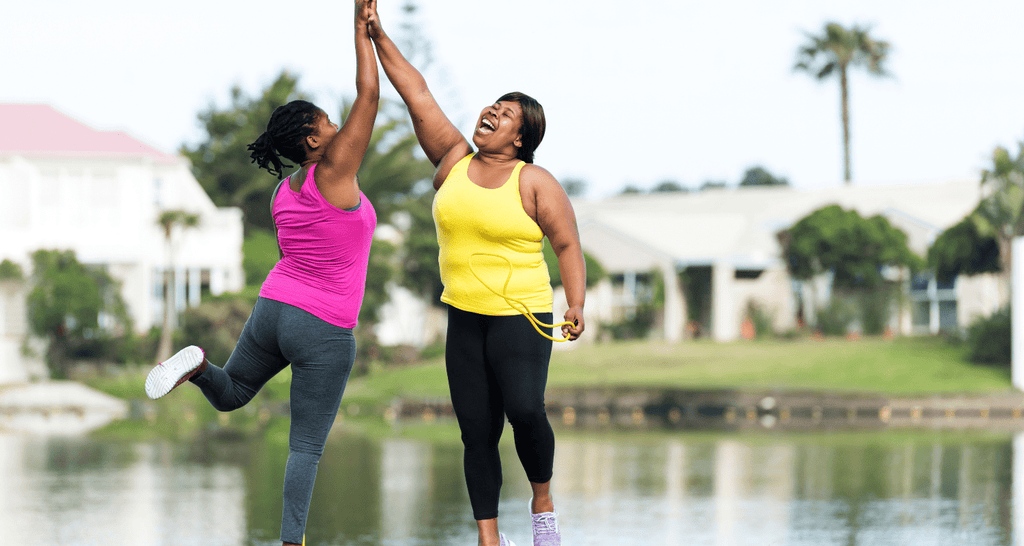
{"points": [[716, 489]]}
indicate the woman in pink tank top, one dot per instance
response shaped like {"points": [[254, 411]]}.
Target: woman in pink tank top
{"points": [[309, 302]]}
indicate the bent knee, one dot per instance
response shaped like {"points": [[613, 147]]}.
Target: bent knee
{"points": [[527, 416]]}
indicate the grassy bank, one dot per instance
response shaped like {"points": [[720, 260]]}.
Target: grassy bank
{"points": [[902, 366]]}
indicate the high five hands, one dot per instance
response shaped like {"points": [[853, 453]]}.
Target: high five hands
{"points": [[366, 13]]}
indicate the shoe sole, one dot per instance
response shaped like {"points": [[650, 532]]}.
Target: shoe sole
{"points": [[174, 371]]}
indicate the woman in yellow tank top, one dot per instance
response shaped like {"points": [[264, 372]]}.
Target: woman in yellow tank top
{"points": [[492, 210]]}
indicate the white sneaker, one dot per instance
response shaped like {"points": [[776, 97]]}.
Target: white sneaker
{"points": [[174, 371], [505, 541]]}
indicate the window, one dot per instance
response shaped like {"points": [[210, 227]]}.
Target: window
{"points": [[933, 305]]}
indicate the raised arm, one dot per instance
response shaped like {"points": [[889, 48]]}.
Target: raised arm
{"points": [[336, 173], [556, 218], [438, 137]]}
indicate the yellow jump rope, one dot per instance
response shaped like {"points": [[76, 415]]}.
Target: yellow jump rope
{"points": [[514, 303]]}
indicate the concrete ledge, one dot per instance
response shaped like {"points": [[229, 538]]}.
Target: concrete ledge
{"points": [[57, 407], [725, 409]]}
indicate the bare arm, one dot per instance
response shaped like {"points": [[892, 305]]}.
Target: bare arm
{"points": [[438, 137], [336, 173], [558, 222]]}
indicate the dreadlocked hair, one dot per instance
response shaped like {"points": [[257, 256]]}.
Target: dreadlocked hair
{"points": [[289, 125]]}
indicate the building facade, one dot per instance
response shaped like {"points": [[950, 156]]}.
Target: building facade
{"points": [[67, 186], [719, 250]]}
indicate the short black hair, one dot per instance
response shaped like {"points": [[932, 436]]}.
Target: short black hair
{"points": [[532, 128], [289, 125]]}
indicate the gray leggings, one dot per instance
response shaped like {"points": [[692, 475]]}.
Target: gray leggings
{"points": [[321, 356]]}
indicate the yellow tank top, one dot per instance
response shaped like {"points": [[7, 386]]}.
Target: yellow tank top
{"points": [[475, 226]]}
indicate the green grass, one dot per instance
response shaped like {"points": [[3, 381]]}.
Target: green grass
{"points": [[897, 367], [902, 366]]}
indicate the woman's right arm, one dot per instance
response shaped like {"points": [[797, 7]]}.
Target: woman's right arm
{"points": [[438, 137]]}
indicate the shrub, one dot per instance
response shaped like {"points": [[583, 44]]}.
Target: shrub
{"points": [[259, 255], [11, 271], [215, 326], [875, 310], [835, 318], [636, 327], [761, 319], [988, 339]]}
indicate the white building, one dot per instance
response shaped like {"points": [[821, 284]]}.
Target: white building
{"points": [[727, 239], [67, 186]]}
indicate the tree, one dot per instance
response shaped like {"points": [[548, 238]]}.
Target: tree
{"points": [[574, 187], [421, 273], [964, 249], [221, 162], [1001, 211], [759, 176], [10, 271], [713, 185], [669, 186], [982, 242], [856, 250], [391, 175], [833, 52], [168, 220], [65, 304], [853, 248], [595, 272]]}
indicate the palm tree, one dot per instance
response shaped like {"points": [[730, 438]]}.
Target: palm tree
{"points": [[1002, 206], [168, 219], [833, 52]]}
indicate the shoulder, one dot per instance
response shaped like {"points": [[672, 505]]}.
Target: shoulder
{"points": [[538, 178]]}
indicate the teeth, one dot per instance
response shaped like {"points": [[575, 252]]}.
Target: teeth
{"points": [[488, 124]]}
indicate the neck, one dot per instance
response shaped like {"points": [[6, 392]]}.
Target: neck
{"points": [[499, 158]]}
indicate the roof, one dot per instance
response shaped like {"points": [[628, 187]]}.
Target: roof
{"points": [[740, 226], [40, 129]]}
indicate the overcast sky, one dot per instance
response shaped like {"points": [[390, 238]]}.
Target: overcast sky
{"points": [[635, 92]]}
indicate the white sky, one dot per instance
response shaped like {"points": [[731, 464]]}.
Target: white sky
{"points": [[635, 92]]}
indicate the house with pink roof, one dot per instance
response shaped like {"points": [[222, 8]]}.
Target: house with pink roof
{"points": [[68, 186]]}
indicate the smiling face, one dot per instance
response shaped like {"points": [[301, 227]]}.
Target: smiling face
{"points": [[498, 127]]}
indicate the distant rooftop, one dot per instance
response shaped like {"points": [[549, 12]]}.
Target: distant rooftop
{"points": [[40, 129]]}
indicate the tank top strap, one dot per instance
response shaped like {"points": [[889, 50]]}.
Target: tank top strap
{"points": [[515, 176], [462, 166]]}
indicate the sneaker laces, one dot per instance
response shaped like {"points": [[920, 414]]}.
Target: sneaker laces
{"points": [[546, 523]]}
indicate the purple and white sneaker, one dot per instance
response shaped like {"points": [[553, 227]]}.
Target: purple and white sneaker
{"points": [[503, 541], [176, 370], [545, 528]]}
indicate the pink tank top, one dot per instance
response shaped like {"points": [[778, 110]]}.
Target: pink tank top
{"points": [[326, 250]]}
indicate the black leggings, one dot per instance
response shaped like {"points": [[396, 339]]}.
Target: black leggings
{"points": [[498, 366]]}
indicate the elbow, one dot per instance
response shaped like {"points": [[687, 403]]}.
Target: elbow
{"points": [[368, 90], [572, 247]]}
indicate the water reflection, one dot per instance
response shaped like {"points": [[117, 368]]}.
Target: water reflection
{"points": [[711, 489], [75, 491]]}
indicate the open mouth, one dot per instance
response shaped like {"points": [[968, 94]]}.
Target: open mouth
{"points": [[486, 126]]}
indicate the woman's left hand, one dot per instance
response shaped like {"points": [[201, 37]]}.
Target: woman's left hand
{"points": [[575, 316]]}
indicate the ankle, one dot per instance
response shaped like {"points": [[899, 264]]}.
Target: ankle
{"points": [[541, 504]]}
